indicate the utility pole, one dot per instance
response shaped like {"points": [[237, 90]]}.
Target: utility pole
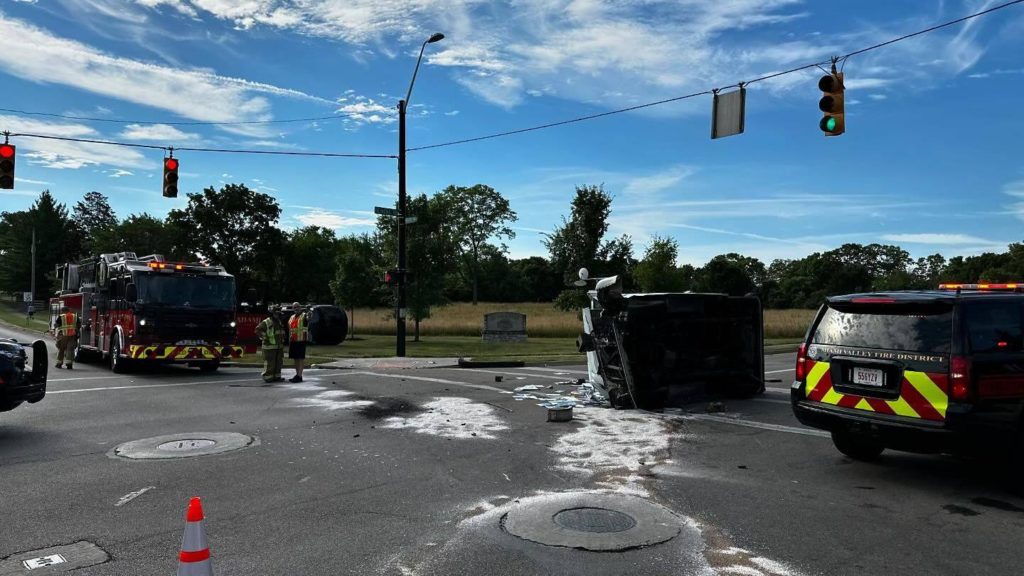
{"points": [[402, 205], [400, 306], [33, 284]]}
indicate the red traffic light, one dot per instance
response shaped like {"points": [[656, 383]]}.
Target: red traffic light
{"points": [[171, 163], [6, 151]]}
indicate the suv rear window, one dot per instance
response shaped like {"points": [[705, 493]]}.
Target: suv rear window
{"points": [[994, 326], [889, 327]]}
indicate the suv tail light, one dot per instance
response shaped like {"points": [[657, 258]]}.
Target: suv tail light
{"points": [[960, 378], [801, 362]]}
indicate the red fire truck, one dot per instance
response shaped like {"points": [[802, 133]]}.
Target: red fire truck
{"points": [[147, 310]]}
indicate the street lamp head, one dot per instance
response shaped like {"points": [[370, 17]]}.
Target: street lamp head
{"points": [[435, 37]]}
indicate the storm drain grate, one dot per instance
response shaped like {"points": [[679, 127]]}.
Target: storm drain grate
{"points": [[596, 520]]}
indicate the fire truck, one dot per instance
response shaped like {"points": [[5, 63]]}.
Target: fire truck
{"points": [[146, 310]]}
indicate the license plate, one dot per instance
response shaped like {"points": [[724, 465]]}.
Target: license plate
{"points": [[868, 377]]}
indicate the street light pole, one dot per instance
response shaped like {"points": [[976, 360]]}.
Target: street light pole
{"points": [[403, 205]]}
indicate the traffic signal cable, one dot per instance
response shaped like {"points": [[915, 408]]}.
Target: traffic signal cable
{"points": [[196, 149]]}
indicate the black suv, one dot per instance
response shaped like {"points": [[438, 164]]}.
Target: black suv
{"points": [[928, 371]]}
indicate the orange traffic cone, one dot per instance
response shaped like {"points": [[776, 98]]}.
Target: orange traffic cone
{"points": [[194, 559]]}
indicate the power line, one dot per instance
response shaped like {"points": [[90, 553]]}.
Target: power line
{"points": [[170, 122], [705, 92], [197, 149]]}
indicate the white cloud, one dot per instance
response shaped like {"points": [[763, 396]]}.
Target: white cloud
{"points": [[63, 154], [156, 132], [877, 96], [359, 110], [658, 182], [332, 220], [34, 54], [452, 113], [36, 182], [179, 5], [118, 173], [942, 239], [1016, 190]]}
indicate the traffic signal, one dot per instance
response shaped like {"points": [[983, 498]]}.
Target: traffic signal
{"points": [[6, 167], [391, 278], [170, 177], [831, 103]]}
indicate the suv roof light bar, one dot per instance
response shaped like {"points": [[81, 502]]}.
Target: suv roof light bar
{"points": [[988, 286]]}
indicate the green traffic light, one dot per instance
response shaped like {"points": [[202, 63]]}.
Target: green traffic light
{"points": [[828, 124]]}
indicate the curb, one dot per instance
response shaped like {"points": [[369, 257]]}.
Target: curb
{"points": [[491, 364]]}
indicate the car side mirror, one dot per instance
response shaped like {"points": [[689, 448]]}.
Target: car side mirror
{"points": [[131, 293]]}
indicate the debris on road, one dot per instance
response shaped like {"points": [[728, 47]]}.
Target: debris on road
{"points": [[529, 387], [452, 417]]}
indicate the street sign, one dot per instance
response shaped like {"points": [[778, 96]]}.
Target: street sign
{"points": [[26, 296], [727, 113], [385, 211], [411, 219]]}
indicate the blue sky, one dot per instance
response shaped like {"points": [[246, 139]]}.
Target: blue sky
{"points": [[931, 159]]}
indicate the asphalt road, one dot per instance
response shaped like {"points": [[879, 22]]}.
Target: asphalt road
{"points": [[399, 472]]}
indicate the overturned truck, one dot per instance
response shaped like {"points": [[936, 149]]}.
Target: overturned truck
{"points": [[655, 350]]}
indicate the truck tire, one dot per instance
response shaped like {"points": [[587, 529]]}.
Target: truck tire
{"points": [[118, 365], [857, 446], [209, 366]]}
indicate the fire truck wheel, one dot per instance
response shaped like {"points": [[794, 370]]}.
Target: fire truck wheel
{"points": [[209, 366], [118, 365]]}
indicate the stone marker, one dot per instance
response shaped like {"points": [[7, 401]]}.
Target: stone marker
{"points": [[504, 327]]}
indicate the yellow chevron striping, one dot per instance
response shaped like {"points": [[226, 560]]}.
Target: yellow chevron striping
{"points": [[931, 392]]}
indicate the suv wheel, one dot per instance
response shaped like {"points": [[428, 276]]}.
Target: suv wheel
{"points": [[857, 446]]}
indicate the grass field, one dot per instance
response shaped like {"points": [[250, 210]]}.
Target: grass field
{"points": [[542, 320], [14, 313]]}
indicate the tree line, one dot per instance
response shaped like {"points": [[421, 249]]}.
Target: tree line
{"points": [[456, 252]]}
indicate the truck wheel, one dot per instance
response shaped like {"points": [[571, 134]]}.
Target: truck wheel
{"points": [[857, 446], [82, 356], [209, 366], [118, 365]]}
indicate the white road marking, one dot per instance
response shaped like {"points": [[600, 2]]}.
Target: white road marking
{"points": [[755, 424], [780, 371], [482, 371], [559, 371], [176, 384], [48, 380], [133, 495], [435, 380]]}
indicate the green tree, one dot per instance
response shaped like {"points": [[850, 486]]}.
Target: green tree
{"points": [[94, 217], [726, 275], [237, 228], [575, 244], [139, 233], [310, 263], [57, 242], [473, 216], [357, 280], [657, 271]]}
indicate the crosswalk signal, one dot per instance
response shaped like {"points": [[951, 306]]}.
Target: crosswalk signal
{"points": [[833, 123], [7, 167], [170, 177]]}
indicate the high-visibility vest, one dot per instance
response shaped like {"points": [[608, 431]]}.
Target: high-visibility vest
{"points": [[270, 334], [297, 328], [68, 322]]}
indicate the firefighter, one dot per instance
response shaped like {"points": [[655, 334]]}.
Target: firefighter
{"points": [[298, 335], [272, 335], [66, 329]]}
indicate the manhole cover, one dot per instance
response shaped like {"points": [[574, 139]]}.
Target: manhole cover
{"points": [[186, 445], [598, 520], [595, 521]]}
